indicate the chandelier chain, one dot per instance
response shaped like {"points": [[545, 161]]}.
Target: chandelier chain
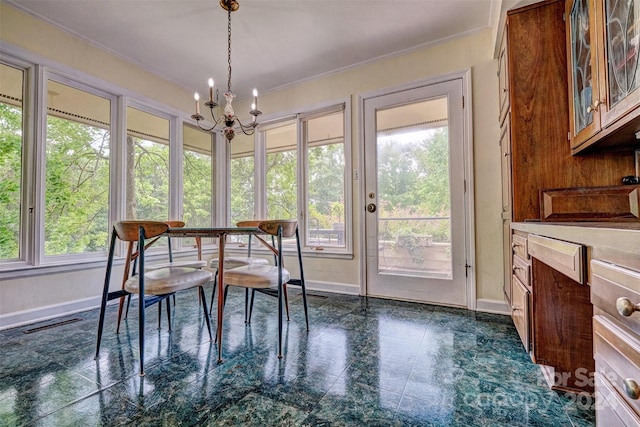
{"points": [[224, 118], [229, 50]]}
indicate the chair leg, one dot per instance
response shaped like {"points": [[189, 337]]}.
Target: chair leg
{"points": [[213, 292], [105, 293], [168, 310], [286, 300], [103, 309], [246, 305], [120, 308], [253, 294], [207, 320], [141, 332], [306, 309], [126, 313], [280, 322]]}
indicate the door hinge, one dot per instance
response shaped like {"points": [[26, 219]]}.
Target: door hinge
{"points": [[569, 136], [564, 17], [466, 269], [463, 102], [465, 185]]}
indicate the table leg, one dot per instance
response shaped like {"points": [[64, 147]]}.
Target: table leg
{"points": [[220, 293]]}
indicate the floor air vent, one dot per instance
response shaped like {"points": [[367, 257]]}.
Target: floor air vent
{"points": [[52, 325], [309, 294]]}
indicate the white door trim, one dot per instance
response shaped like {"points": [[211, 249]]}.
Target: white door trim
{"points": [[359, 204]]}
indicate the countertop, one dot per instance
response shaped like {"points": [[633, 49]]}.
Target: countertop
{"points": [[615, 242]]}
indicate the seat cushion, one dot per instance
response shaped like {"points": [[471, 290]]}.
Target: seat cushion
{"points": [[235, 262], [255, 276], [186, 263], [169, 279]]}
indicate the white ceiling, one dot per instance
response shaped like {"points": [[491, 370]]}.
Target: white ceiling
{"points": [[274, 42]]}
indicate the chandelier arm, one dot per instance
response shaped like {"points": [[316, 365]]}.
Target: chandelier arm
{"points": [[204, 128], [244, 127], [213, 117]]}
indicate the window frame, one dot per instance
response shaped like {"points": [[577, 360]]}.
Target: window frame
{"points": [[37, 71], [26, 247], [40, 147], [260, 155]]}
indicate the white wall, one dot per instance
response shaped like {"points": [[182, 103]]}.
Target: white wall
{"points": [[35, 297]]}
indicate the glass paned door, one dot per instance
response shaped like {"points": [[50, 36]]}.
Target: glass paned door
{"points": [[623, 36], [415, 220], [414, 227], [581, 60]]}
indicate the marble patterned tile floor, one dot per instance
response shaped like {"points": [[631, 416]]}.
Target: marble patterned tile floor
{"points": [[364, 362]]}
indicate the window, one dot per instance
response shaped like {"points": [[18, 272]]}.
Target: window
{"points": [[76, 213], [281, 177], [11, 148], [305, 172], [242, 178], [70, 168], [197, 179], [324, 143], [147, 166]]}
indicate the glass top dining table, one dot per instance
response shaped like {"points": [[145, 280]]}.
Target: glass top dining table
{"points": [[221, 233]]}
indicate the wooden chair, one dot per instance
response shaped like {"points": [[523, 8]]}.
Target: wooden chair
{"points": [[235, 262], [171, 263], [271, 279], [152, 286]]}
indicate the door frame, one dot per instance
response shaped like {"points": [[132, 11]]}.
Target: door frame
{"points": [[465, 76]]}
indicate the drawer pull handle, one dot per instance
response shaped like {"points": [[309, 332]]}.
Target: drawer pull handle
{"points": [[631, 388], [625, 307]]}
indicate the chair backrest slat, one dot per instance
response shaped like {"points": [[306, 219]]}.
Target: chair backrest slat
{"points": [[128, 231], [271, 227]]}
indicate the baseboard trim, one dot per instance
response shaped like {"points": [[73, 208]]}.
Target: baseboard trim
{"points": [[333, 287], [40, 314], [493, 306], [25, 317]]}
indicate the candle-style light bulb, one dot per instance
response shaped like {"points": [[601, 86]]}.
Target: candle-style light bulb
{"points": [[254, 106], [210, 90], [196, 96]]}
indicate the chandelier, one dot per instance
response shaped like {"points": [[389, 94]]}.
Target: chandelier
{"points": [[226, 120]]}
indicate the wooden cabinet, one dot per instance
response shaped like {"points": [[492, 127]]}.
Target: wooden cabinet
{"points": [[536, 115], [520, 287], [520, 310], [551, 311], [503, 79], [561, 312], [615, 293], [603, 73]]}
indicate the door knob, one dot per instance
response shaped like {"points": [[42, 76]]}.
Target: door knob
{"points": [[371, 207]]}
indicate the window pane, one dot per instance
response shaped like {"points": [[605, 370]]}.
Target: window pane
{"points": [[77, 171], [281, 177], [324, 139], [242, 178], [11, 90], [197, 180], [147, 166]]}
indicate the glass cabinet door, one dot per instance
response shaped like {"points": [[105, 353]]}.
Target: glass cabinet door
{"points": [[582, 69], [622, 31]]}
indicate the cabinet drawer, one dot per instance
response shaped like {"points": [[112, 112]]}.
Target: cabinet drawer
{"points": [[611, 409], [616, 291], [520, 310], [617, 356], [567, 258], [519, 245], [521, 270]]}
